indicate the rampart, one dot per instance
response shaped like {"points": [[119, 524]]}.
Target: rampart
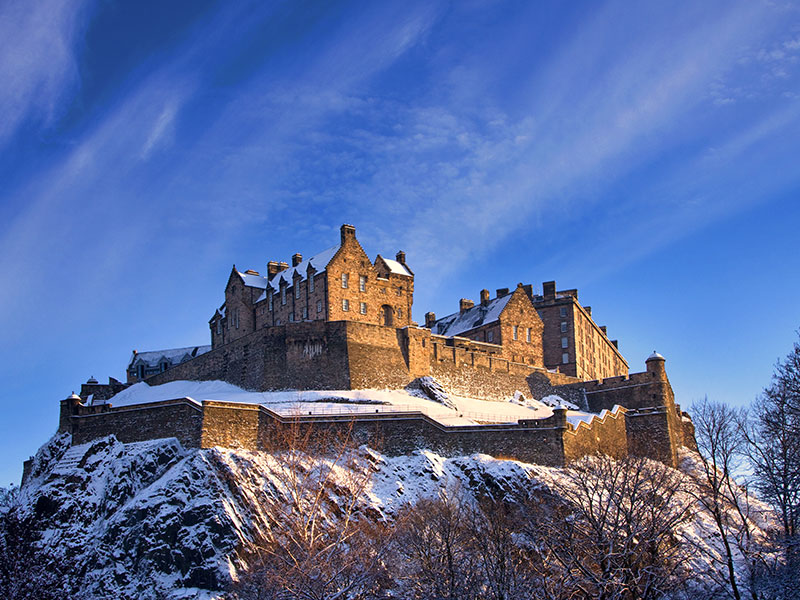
{"points": [[551, 441], [337, 355]]}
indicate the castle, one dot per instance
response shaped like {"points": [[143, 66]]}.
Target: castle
{"points": [[340, 321]]}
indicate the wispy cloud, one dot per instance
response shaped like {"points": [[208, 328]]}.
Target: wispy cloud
{"points": [[38, 66]]}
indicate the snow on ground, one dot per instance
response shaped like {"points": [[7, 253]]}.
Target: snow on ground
{"points": [[468, 411]]}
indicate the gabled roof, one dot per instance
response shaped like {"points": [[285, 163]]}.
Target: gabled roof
{"points": [[478, 315], [255, 281], [396, 267], [173, 356], [318, 262]]}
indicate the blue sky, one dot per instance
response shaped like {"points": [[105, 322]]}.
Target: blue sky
{"points": [[645, 153]]}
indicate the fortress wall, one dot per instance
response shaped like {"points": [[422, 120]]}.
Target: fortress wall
{"points": [[173, 418], [375, 356], [538, 442], [607, 435], [310, 355], [230, 425]]}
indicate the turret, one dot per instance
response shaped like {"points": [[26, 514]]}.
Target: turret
{"points": [[655, 365]]}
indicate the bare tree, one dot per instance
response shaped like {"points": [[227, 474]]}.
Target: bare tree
{"points": [[316, 546], [435, 548], [720, 443], [771, 430], [607, 530]]}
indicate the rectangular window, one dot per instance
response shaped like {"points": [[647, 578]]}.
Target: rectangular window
{"points": [[528, 335], [399, 313], [269, 300], [345, 279], [362, 283], [490, 336], [563, 327], [219, 326], [564, 342], [291, 317], [297, 288], [277, 321], [363, 308], [319, 306], [565, 358], [516, 332], [305, 313], [345, 304], [563, 311], [311, 284], [283, 294]]}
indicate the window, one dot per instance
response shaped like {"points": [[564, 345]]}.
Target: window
{"points": [[516, 332], [399, 313], [311, 283], [362, 283], [564, 342], [296, 288], [305, 313], [490, 336], [563, 311], [563, 327], [269, 300], [345, 279], [219, 326], [277, 321], [319, 306], [565, 358], [283, 294], [236, 317], [528, 335], [345, 304], [291, 317], [363, 308]]}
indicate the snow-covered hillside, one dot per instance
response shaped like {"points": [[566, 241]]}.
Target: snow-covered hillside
{"points": [[154, 520]]}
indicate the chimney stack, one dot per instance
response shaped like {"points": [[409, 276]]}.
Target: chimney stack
{"points": [[401, 257], [603, 329], [484, 297], [272, 268], [347, 232], [502, 292], [430, 319], [297, 258], [588, 310], [465, 304], [549, 289]]}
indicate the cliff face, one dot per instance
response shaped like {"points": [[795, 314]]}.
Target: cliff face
{"points": [[154, 520]]}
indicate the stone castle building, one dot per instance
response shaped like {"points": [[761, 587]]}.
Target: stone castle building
{"points": [[340, 321]]}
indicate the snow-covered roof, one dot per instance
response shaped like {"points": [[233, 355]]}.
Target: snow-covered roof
{"points": [[478, 315], [173, 356], [256, 281], [396, 267], [318, 262]]}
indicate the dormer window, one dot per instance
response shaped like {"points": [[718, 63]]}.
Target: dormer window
{"points": [[269, 299], [310, 283], [283, 294], [297, 288]]}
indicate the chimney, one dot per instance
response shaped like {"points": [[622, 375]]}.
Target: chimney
{"points": [[348, 232], [549, 289], [430, 319], [464, 304], [282, 266], [615, 343], [401, 257], [603, 329], [528, 289], [502, 292], [588, 310], [272, 268], [484, 297], [297, 258]]}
